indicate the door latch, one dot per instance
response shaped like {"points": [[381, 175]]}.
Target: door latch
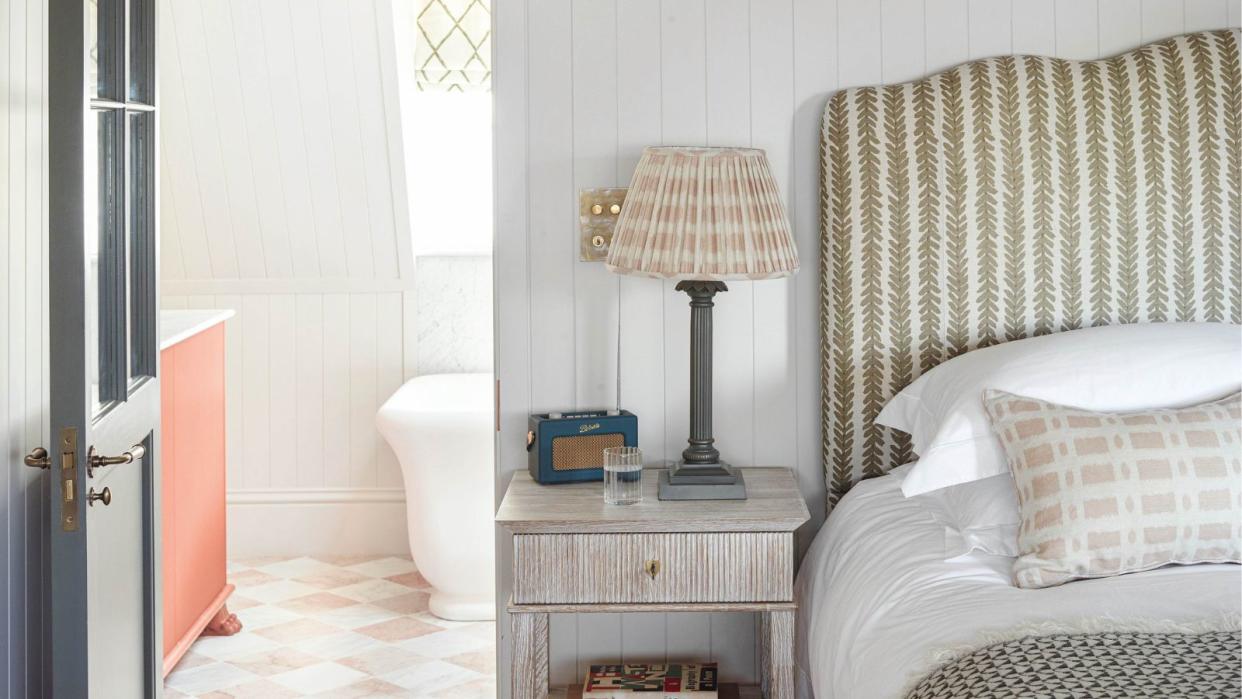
{"points": [[38, 458], [68, 470]]}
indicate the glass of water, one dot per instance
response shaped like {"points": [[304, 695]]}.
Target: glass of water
{"points": [[623, 475]]}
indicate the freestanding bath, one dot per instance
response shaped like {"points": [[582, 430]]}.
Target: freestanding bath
{"points": [[440, 427]]}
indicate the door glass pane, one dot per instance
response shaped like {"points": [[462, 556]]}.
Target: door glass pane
{"points": [[105, 243], [105, 29], [141, 50], [142, 244]]}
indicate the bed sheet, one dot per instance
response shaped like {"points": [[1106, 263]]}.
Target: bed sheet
{"points": [[879, 607]]}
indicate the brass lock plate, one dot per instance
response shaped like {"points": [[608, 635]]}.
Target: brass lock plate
{"points": [[68, 474], [598, 210]]}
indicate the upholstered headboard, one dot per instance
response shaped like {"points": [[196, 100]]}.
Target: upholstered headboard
{"points": [[1018, 196]]}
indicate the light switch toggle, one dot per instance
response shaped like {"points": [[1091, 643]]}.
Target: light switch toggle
{"points": [[598, 210]]}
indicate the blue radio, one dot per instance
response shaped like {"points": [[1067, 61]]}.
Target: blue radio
{"points": [[569, 447]]}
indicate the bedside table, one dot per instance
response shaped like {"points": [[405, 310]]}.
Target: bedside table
{"points": [[573, 553]]}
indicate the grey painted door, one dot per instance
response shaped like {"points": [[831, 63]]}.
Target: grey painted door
{"points": [[104, 494]]}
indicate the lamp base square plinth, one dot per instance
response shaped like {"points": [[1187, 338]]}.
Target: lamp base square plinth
{"points": [[680, 484]]}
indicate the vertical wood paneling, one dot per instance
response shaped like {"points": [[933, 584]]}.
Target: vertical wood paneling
{"points": [[283, 382], [512, 296], [729, 123], [1077, 29], [683, 119], [991, 26], [1206, 14], [23, 364], [204, 138], [362, 466], [319, 137], [692, 72], [284, 93], [309, 371], [336, 390], [385, 186], [594, 90], [815, 74], [246, 39], [946, 32], [1162, 18], [229, 117], [234, 381], [551, 211], [347, 169], [904, 46], [177, 160], [388, 378], [641, 300], [256, 433], [1034, 26], [1120, 26]]}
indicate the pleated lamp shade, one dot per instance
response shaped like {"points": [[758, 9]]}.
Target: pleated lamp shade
{"points": [[703, 214]]}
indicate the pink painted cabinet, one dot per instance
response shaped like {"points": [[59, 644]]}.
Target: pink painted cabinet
{"points": [[193, 458]]}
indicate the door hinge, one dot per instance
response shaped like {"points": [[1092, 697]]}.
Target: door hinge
{"points": [[68, 485]]}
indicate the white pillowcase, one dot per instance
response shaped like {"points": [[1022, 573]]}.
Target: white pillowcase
{"points": [[1114, 368], [980, 516]]}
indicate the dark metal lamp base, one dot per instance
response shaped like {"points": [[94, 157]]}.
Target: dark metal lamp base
{"points": [[709, 482]]}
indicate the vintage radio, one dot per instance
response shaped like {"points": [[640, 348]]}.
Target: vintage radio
{"points": [[569, 447]]}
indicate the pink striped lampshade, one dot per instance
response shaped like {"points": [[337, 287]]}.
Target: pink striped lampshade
{"points": [[703, 213]]}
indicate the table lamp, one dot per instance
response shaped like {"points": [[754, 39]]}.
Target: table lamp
{"points": [[702, 216]]}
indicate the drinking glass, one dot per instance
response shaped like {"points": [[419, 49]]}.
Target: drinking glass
{"points": [[623, 475]]}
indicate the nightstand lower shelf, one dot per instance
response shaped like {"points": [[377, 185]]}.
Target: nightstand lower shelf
{"points": [[529, 623]]}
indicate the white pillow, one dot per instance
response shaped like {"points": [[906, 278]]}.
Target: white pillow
{"points": [[1115, 368], [978, 516]]}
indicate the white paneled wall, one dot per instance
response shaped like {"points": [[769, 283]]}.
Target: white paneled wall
{"points": [[283, 197], [581, 86], [23, 346]]}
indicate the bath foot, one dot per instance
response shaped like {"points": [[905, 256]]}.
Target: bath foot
{"points": [[223, 624]]}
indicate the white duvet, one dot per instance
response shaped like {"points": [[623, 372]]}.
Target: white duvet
{"points": [[879, 608]]}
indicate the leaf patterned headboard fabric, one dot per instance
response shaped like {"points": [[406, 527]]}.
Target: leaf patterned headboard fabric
{"points": [[1019, 196]]}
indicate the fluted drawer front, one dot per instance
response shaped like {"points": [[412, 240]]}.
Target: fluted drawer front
{"points": [[614, 568]]}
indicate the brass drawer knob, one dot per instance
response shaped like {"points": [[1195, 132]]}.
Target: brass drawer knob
{"points": [[652, 568]]}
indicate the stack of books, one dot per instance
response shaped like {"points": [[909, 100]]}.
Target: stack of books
{"points": [[671, 681]]}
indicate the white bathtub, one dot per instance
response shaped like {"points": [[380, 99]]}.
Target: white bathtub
{"points": [[441, 429]]}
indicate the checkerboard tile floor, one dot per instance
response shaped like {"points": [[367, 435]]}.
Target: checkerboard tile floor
{"points": [[337, 627]]}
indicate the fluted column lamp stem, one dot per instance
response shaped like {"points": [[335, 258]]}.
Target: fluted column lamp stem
{"points": [[700, 450]]}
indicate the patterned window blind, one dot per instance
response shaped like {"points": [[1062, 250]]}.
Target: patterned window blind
{"points": [[453, 46]]}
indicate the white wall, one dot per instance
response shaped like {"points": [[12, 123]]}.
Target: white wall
{"points": [[283, 197], [23, 346], [581, 86]]}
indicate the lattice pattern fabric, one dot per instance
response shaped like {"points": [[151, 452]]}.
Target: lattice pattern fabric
{"points": [[453, 45], [1104, 494], [1086, 666], [1018, 196]]}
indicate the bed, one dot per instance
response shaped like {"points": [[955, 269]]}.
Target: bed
{"points": [[1003, 199]]}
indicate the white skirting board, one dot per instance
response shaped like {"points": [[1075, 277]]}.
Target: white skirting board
{"points": [[321, 522]]}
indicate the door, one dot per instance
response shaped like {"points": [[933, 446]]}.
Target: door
{"points": [[103, 309]]}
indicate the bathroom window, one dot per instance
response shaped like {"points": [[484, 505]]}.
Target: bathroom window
{"points": [[448, 126]]}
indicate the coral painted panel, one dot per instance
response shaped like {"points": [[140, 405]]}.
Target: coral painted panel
{"points": [[193, 451]]}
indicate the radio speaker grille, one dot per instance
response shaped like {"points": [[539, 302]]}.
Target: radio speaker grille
{"points": [[574, 453]]}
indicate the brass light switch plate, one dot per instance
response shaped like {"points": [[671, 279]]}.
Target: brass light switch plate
{"points": [[598, 210]]}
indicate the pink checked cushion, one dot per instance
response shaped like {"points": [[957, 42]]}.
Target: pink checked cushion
{"points": [[1104, 494]]}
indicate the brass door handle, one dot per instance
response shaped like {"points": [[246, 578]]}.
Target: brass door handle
{"points": [[104, 496], [653, 568], [38, 458], [94, 460]]}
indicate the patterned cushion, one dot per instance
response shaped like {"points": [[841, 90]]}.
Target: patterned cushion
{"points": [[1103, 494]]}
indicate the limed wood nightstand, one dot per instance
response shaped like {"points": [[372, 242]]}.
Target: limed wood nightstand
{"points": [[573, 553]]}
